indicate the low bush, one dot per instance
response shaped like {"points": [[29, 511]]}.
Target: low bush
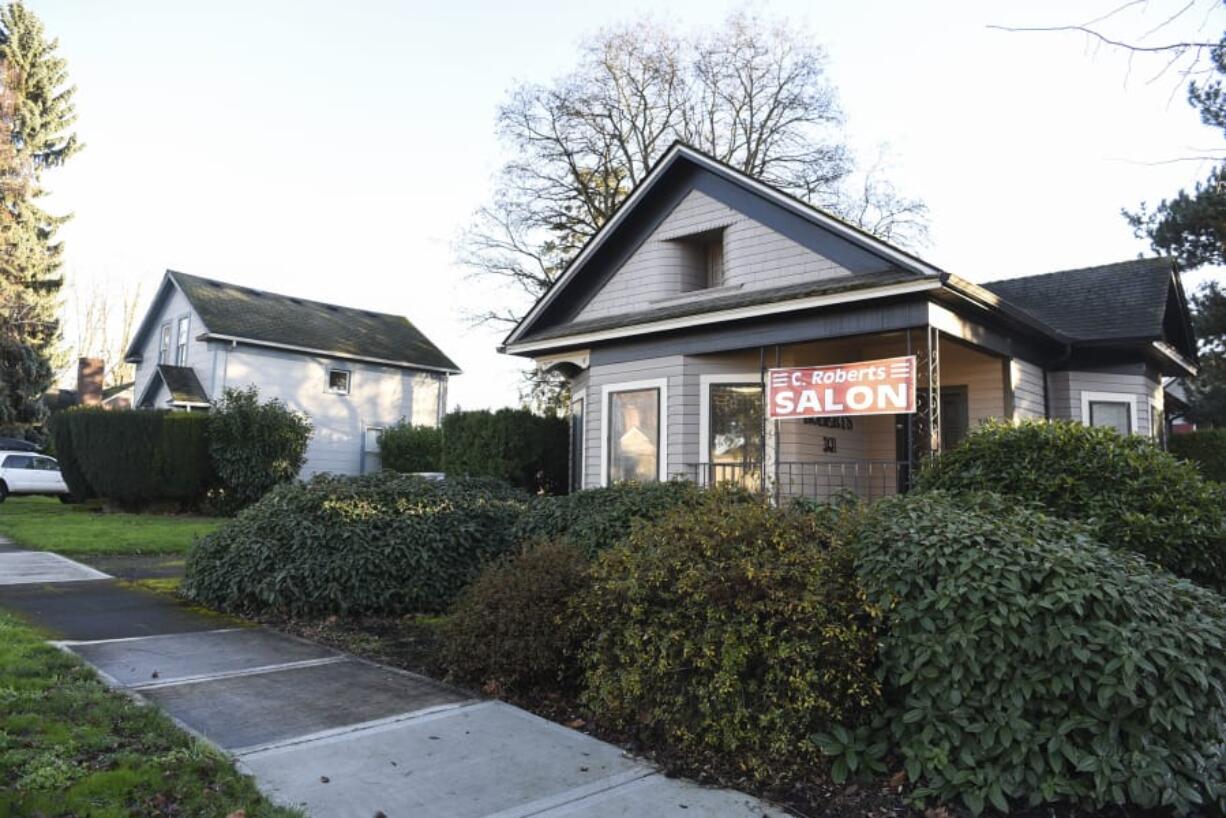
{"points": [[595, 519], [1024, 662], [254, 445], [509, 628], [134, 457], [381, 543], [1206, 448], [729, 633], [1129, 492], [407, 448], [526, 450]]}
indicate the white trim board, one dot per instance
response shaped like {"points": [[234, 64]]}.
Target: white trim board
{"points": [[704, 407], [1134, 419], [662, 412]]}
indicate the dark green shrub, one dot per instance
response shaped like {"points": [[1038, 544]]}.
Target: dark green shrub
{"points": [[255, 445], [509, 628], [135, 457], [526, 450], [1206, 448], [1025, 662], [60, 429], [730, 632], [407, 448], [596, 519], [381, 543], [1129, 492]]}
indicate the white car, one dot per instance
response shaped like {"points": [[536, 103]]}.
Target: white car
{"points": [[30, 473]]}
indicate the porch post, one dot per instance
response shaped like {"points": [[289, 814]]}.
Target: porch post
{"points": [[925, 432]]}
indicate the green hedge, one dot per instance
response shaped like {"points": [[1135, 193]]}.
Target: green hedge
{"points": [[596, 519], [1025, 663], [526, 450], [1206, 448], [407, 448], [1130, 493], [134, 457], [730, 632], [254, 446], [510, 633], [382, 543]]}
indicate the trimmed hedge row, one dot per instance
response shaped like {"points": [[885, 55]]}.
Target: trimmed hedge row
{"points": [[408, 449], [134, 457], [1205, 448], [1131, 494], [526, 450], [381, 543]]}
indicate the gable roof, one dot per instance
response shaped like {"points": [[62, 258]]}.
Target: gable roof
{"points": [[181, 382], [1121, 301], [231, 312], [888, 257]]}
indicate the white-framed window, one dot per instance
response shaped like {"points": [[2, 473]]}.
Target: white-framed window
{"points": [[1115, 410], [634, 440], [578, 447], [181, 340], [338, 380], [164, 345], [730, 428]]}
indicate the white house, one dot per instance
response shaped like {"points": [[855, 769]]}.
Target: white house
{"points": [[352, 371]]}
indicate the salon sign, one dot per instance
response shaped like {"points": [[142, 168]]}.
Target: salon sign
{"points": [[883, 387]]}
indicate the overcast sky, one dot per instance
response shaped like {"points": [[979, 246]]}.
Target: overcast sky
{"points": [[335, 150]]}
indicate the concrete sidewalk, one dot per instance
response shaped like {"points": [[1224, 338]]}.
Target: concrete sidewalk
{"points": [[335, 734]]}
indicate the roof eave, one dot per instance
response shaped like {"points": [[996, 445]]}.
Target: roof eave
{"points": [[331, 353]]}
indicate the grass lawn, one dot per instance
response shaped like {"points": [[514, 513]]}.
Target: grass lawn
{"points": [[46, 524], [71, 746]]}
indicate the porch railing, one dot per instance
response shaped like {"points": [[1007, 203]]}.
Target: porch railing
{"points": [[815, 480]]}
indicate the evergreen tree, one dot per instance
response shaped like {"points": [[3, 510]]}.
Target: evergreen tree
{"points": [[36, 109], [1207, 391]]}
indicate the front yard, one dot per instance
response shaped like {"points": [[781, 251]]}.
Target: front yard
{"points": [[45, 524], [70, 746]]}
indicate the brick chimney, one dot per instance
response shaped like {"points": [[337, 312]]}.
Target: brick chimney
{"points": [[89, 381]]}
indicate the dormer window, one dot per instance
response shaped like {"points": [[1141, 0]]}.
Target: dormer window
{"points": [[702, 260]]}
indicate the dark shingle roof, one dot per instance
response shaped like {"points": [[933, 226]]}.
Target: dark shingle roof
{"points": [[243, 312], [1114, 301], [182, 384], [740, 298]]}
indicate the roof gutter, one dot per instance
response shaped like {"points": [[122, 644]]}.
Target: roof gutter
{"points": [[331, 353], [719, 316]]}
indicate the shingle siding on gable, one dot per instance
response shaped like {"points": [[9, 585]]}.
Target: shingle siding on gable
{"points": [[755, 257]]}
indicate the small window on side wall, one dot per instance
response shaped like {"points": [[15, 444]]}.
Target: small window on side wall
{"points": [[338, 381], [1113, 414]]}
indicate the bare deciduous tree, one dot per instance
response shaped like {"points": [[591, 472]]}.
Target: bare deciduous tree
{"points": [[102, 316], [752, 93]]}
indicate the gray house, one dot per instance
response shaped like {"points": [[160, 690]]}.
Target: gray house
{"points": [[352, 371], [669, 320]]}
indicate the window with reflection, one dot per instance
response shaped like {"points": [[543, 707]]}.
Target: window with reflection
{"points": [[736, 431], [1113, 414], [634, 436]]}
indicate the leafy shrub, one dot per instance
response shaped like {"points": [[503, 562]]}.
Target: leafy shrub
{"points": [[730, 632], [134, 457], [381, 543], [526, 450], [255, 445], [1025, 662], [595, 519], [510, 627], [1129, 492], [407, 448], [1206, 448]]}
